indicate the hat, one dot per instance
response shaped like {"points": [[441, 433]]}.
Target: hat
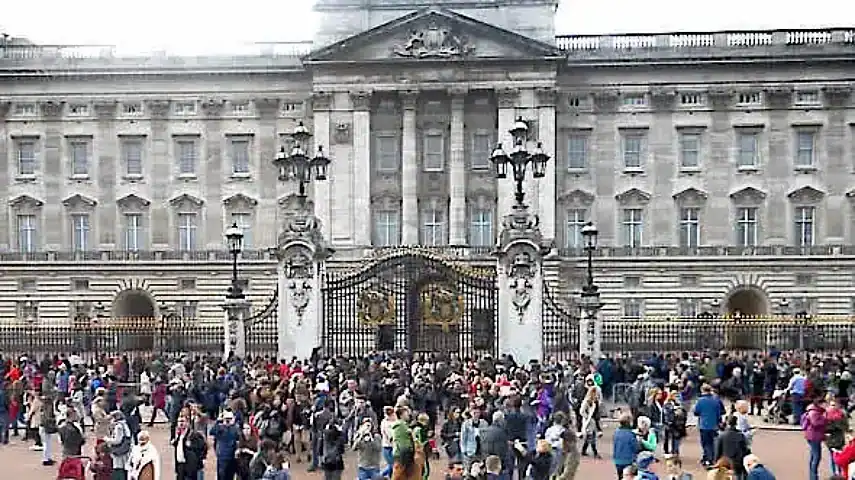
{"points": [[644, 459]]}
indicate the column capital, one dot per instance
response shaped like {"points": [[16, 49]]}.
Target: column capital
{"points": [[158, 108], [322, 101], [105, 109], [546, 96], [361, 100], [409, 99], [507, 97], [52, 108]]}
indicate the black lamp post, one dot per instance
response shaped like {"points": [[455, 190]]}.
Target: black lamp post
{"points": [[298, 165], [234, 238], [589, 234], [590, 298], [519, 159]]}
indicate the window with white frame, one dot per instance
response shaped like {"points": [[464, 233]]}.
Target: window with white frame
{"points": [[482, 144], [805, 148], [26, 110], [433, 227], [80, 232], [244, 222], [805, 223], [387, 230], [633, 307], [388, 154], [690, 227], [240, 108], [690, 150], [808, 98], [577, 152], [632, 223], [186, 151], [132, 109], [26, 148], [688, 308], [27, 231], [185, 108], [634, 100], [189, 310], [133, 232], [747, 225], [633, 150], [481, 228], [576, 220], [79, 155], [748, 149], [187, 226], [239, 148], [132, 154], [749, 98], [434, 152]]}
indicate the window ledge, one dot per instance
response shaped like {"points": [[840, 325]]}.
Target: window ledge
{"points": [[434, 170], [633, 170], [135, 177], [577, 171], [805, 169], [28, 178], [187, 176], [690, 170], [241, 176], [747, 169], [80, 177]]}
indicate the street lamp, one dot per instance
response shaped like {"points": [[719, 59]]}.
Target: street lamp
{"points": [[590, 298], [234, 239], [519, 159], [298, 165]]}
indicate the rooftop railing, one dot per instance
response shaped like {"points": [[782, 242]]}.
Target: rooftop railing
{"points": [[107, 52]]}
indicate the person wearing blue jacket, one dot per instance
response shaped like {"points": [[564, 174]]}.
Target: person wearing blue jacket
{"points": [[226, 435], [624, 445], [709, 411]]}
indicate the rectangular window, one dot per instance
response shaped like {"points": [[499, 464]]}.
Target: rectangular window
{"points": [[132, 152], [633, 144], [133, 232], [388, 153], [746, 226], [80, 232], [805, 147], [240, 155], [433, 227], [27, 230], [189, 310], [185, 108], [26, 148], [482, 144], [633, 308], [577, 152], [132, 109], [690, 227], [79, 153], [186, 153], [78, 110], [187, 231], [690, 150], [804, 224], [576, 220], [26, 109], [748, 154], [688, 308], [481, 228], [244, 222], [386, 228], [434, 152], [809, 97], [633, 224], [635, 100]]}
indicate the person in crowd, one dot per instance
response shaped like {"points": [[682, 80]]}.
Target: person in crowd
{"points": [[836, 427], [158, 401], [144, 463], [279, 468], [102, 465], [645, 434], [743, 422], [755, 469], [100, 417], [71, 439], [589, 409], [247, 447], [674, 469], [797, 389], [493, 466], [539, 461], [644, 462], [34, 419], [733, 446], [226, 435], [630, 472], [263, 459], [48, 429], [625, 446], [709, 410], [674, 424], [721, 470], [554, 434], [572, 459], [119, 443], [332, 452], [368, 446], [130, 408], [813, 424], [449, 435], [495, 441], [470, 431], [189, 448]]}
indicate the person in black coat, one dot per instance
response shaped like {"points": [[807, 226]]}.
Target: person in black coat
{"points": [[190, 449], [731, 444]]}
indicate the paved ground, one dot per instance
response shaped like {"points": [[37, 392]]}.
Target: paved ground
{"points": [[785, 452]]}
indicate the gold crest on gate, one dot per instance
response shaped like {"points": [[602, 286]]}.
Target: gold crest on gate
{"points": [[376, 308], [441, 306]]}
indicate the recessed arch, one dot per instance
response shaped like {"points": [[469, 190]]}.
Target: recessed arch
{"points": [[746, 301], [135, 306]]}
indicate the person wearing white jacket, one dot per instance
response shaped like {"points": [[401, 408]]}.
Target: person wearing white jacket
{"points": [[144, 463]]}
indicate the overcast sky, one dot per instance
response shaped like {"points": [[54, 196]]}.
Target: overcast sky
{"points": [[204, 25]]}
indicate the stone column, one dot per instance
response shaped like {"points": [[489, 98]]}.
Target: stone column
{"points": [[520, 269], [457, 170], [507, 99], [162, 173], [409, 172], [361, 168], [54, 178], [212, 173], [302, 251], [321, 104], [237, 309], [6, 174], [546, 186], [108, 161]]}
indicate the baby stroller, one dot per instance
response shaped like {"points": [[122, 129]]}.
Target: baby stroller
{"points": [[73, 468], [780, 409]]}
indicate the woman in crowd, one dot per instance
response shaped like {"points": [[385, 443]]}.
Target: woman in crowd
{"points": [[247, 447], [145, 461], [835, 430], [588, 431]]}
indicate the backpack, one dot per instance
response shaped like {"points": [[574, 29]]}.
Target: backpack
{"points": [[273, 428], [124, 446]]}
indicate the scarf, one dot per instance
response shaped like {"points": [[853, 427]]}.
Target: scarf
{"points": [[179, 448], [142, 456]]}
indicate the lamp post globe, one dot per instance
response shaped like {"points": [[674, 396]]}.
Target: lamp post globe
{"points": [[590, 233], [298, 164], [234, 239], [519, 158]]}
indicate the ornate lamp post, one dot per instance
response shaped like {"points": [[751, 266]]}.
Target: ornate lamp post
{"points": [[519, 159], [235, 301], [234, 240], [590, 298], [297, 165]]}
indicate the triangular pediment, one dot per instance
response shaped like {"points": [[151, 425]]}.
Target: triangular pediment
{"points": [[433, 34], [186, 200], [576, 197], [806, 194], [690, 195], [239, 200], [633, 195], [79, 201], [748, 195], [132, 201], [25, 201]]}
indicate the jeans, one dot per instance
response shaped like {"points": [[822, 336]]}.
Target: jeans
{"points": [[671, 444], [226, 468], [365, 473], [815, 458], [708, 445], [390, 462], [47, 442], [798, 408], [200, 475], [4, 427], [317, 443]]}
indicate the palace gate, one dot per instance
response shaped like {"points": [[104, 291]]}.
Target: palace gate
{"points": [[411, 300], [260, 329], [560, 328]]}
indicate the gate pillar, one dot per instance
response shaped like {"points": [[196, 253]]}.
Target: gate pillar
{"points": [[520, 254], [237, 310], [302, 251]]}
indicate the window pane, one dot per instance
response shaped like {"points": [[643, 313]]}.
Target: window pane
{"points": [[481, 229], [576, 220], [433, 152], [433, 227], [746, 227], [133, 232], [26, 157], [690, 150], [805, 147], [244, 222], [186, 156], [240, 156], [387, 153], [481, 149], [80, 232], [79, 158], [747, 150], [632, 151], [386, 232], [26, 233], [577, 150], [632, 227], [187, 231], [133, 157]]}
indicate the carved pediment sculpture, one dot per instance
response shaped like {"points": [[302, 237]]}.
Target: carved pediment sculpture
{"points": [[690, 196], [633, 195], [576, 197], [806, 194], [25, 201], [435, 41], [748, 195], [132, 201], [186, 200], [79, 201], [239, 200]]}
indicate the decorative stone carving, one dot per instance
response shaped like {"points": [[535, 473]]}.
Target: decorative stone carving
{"points": [[213, 107], [806, 195], [375, 308], [132, 202], [342, 133], [507, 97], [690, 196], [303, 229], [634, 196], [239, 200], [576, 197], [748, 195], [79, 201], [521, 274], [52, 108], [547, 96], [300, 292], [186, 200], [25, 201], [434, 42]]}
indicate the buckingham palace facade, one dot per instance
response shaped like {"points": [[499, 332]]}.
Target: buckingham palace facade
{"points": [[719, 167]]}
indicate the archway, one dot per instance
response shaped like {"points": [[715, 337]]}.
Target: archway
{"points": [[135, 316], [747, 301]]}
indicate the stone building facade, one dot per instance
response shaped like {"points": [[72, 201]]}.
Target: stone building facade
{"points": [[718, 167]]}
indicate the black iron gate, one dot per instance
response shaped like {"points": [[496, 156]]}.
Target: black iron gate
{"points": [[411, 301], [260, 330], [560, 328]]}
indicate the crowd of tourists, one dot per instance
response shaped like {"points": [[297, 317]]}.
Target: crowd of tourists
{"points": [[486, 418]]}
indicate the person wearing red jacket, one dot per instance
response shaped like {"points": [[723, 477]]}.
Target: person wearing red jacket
{"points": [[845, 457]]}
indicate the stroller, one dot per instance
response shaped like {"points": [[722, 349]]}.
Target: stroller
{"points": [[780, 409]]}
